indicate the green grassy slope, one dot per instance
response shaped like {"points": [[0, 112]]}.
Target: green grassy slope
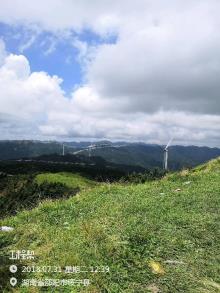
{"points": [[22, 192], [162, 236], [69, 179]]}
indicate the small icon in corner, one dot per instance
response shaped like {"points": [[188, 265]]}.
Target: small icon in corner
{"points": [[13, 281], [13, 268]]}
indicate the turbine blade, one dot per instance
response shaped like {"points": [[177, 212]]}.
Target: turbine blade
{"points": [[169, 143]]}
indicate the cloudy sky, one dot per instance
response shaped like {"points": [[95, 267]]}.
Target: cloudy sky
{"points": [[143, 70]]}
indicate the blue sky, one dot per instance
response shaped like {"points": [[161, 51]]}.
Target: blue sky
{"points": [[46, 51]]}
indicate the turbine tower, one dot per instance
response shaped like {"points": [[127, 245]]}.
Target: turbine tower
{"points": [[63, 153], [165, 155]]}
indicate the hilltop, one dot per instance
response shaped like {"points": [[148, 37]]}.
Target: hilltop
{"points": [[160, 236]]}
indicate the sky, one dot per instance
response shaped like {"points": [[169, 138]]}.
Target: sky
{"points": [[144, 70]]}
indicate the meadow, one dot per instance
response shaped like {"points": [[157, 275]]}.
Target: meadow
{"points": [[159, 236]]}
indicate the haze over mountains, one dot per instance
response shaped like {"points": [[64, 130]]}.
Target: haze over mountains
{"points": [[132, 154]]}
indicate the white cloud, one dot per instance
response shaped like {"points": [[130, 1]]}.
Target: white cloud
{"points": [[170, 63], [15, 66], [25, 94], [58, 15], [2, 52], [26, 45], [34, 105]]}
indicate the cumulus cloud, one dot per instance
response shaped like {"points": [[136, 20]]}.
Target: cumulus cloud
{"points": [[59, 15], [165, 56], [24, 93], [170, 63], [154, 128], [33, 105], [2, 51], [160, 77]]}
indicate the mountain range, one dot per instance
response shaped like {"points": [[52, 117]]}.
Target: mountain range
{"points": [[123, 153]]}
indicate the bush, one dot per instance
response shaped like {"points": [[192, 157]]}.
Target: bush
{"points": [[148, 175], [22, 192]]}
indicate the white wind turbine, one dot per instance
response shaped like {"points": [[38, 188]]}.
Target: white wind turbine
{"points": [[66, 146], [63, 152], [97, 146], [165, 156]]}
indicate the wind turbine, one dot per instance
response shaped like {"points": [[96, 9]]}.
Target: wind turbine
{"points": [[67, 147], [63, 153], [165, 155], [97, 146]]}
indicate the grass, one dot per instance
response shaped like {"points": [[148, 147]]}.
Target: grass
{"points": [[161, 236], [69, 179]]}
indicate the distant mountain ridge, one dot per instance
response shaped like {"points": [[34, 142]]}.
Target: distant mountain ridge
{"points": [[132, 154]]}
